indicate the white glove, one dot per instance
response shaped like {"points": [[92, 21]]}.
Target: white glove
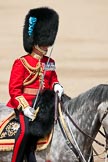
{"points": [[58, 88], [29, 112]]}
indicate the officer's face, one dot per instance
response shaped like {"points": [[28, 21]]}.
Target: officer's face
{"points": [[45, 48]]}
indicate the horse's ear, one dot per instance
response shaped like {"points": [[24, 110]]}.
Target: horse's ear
{"points": [[65, 98]]}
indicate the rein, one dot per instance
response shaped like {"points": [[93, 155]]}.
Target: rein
{"points": [[68, 141], [65, 130], [99, 143], [67, 133]]}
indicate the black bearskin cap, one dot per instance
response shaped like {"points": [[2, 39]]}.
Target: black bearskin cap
{"points": [[40, 28]]}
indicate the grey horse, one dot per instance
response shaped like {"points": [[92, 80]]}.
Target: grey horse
{"points": [[89, 112]]}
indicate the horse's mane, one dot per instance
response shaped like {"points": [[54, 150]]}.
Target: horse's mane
{"points": [[92, 97], [96, 94]]}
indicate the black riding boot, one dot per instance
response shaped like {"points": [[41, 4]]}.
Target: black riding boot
{"points": [[31, 156], [30, 150]]}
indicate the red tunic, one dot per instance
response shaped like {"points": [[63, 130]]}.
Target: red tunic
{"points": [[20, 72]]}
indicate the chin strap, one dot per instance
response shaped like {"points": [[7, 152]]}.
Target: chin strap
{"points": [[44, 52]]}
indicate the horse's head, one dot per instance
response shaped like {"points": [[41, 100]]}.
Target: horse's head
{"points": [[103, 117]]}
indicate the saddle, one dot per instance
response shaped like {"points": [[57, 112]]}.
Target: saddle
{"points": [[8, 129]]}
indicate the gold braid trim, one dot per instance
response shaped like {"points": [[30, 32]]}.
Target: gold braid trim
{"points": [[22, 102], [36, 71]]}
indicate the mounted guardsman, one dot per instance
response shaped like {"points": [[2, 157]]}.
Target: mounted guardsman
{"points": [[40, 29]]}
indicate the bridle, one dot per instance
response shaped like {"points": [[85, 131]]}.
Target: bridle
{"points": [[66, 132], [67, 113], [94, 140], [104, 115], [106, 135]]}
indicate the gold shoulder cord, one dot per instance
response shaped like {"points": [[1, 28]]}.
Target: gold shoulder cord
{"points": [[36, 71]]}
